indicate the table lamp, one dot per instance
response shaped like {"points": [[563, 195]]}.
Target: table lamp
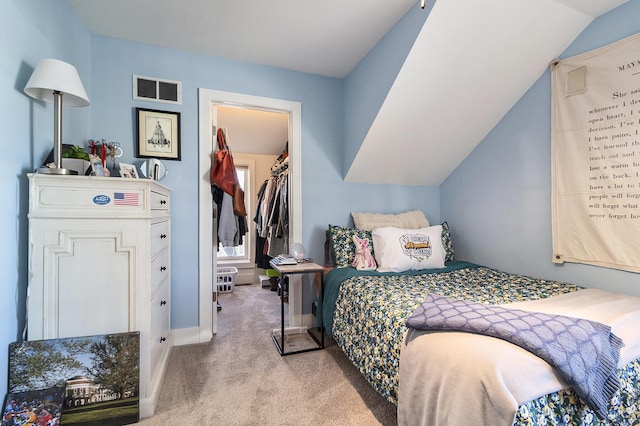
{"points": [[58, 82]]}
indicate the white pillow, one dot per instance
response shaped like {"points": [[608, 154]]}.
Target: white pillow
{"points": [[398, 249], [412, 219]]}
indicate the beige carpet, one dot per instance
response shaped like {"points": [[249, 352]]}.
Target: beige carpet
{"points": [[240, 379]]}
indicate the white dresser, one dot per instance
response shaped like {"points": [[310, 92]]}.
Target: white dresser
{"points": [[99, 263]]}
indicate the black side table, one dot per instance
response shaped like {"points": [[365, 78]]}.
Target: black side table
{"points": [[299, 268]]}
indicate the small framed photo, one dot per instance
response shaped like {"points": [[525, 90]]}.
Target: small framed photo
{"points": [[96, 165], [158, 134], [128, 171]]}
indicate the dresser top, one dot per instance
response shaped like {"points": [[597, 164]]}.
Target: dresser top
{"points": [[75, 180]]}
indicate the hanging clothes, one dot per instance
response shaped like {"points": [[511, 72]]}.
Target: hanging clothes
{"points": [[231, 227], [278, 234], [262, 259], [272, 213]]}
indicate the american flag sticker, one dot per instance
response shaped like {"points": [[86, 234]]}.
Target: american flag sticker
{"points": [[125, 199]]}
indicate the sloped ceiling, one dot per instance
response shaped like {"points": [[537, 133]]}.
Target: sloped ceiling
{"points": [[470, 64]]}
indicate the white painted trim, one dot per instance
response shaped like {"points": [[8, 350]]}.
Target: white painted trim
{"points": [[186, 336], [207, 98], [308, 321], [290, 330], [246, 276], [207, 319]]}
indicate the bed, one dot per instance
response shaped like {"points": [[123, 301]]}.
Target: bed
{"points": [[447, 378]]}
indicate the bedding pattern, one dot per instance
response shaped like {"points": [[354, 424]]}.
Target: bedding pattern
{"points": [[487, 381], [565, 408], [371, 308], [585, 353]]}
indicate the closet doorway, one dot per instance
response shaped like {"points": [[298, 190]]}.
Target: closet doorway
{"points": [[257, 139], [210, 101]]}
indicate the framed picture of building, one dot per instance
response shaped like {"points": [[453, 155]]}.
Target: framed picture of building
{"points": [[100, 376], [158, 134]]}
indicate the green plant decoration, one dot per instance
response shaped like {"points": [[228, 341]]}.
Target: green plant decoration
{"points": [[75, 151]]}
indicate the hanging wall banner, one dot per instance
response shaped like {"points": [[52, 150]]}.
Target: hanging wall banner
{"points": [[595, 151]]}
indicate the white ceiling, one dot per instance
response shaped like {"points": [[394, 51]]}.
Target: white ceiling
{"points": [[326, 37], [470, 64]]}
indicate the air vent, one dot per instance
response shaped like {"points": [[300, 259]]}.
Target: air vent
{"points": [[156, 89]]}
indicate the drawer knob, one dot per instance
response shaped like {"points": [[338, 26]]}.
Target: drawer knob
{"points": [[163, 339], [163, 268], [163, 236], [163, 302], [163, 201]]}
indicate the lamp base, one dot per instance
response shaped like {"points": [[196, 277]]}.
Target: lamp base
{"points": [[56, 171]]}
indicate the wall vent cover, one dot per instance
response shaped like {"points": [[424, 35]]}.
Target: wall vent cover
{"points": [[157, 89]]}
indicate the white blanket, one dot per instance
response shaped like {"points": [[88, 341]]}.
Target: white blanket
{"points": [[456, 378]]}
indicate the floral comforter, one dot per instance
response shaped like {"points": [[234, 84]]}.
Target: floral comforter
{"points": [[364, 312]]}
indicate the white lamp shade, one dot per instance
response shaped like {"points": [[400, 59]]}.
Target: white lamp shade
{"points": [[52, 74]]}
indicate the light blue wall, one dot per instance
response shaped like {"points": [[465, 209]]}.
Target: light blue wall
{"points": [[498, 201], [30, 30], [114, 62], [326, 197]]}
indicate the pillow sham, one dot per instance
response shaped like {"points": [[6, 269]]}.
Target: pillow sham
{"points": [[399, 250], [449, 254], [342, 245], [412, 219]]}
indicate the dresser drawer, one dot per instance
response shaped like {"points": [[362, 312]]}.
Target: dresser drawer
{"points": [[86, 197], [159, 237], [159, 270], [159, 201], [160, 327]]}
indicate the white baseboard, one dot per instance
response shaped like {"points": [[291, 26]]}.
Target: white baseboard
{"points": [[309, 320], [246, 276], [290, 330], [189, 336]]}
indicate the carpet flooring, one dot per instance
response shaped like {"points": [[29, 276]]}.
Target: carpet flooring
{"points": [[239, 378]]}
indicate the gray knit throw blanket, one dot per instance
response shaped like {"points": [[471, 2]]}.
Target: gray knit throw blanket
{"points": [[586, 353]]}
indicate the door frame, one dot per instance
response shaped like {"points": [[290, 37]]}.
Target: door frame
{"points": [[207, 99]]}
